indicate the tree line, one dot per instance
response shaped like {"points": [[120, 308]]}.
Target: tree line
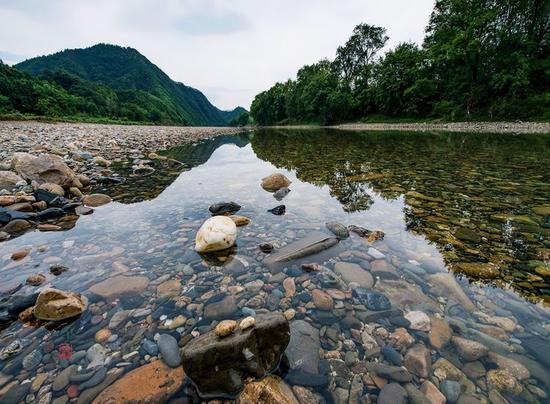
{"points": [[480, 59]]}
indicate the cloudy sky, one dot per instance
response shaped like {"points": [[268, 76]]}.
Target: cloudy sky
{"points": [[228, 49]]}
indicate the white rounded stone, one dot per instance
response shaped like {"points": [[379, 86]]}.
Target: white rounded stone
{"points": [[217, 233]]}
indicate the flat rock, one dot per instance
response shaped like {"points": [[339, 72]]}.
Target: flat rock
{"points": [[222, 309], [354, 273], [220, 366], [95, 200], [154, 382], [54, 305], [392, 393], [120, 285]]}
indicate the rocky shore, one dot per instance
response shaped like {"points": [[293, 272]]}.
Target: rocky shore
{"points": [[465, 127], [108, 141]]}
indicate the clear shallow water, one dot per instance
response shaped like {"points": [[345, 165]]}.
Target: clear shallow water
{"points": [[444, 201]]}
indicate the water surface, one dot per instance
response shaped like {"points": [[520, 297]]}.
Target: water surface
{"points": [[473, 204]]}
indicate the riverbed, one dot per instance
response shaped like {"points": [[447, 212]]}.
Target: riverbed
{"points": [[463, 268]]}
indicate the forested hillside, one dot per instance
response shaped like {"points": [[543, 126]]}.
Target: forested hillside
{"points": [[104, 81], [480, 59]]}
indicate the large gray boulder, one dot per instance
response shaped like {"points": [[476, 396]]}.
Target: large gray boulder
{"points": [[44, 168], [219, 366], [303, 349]]}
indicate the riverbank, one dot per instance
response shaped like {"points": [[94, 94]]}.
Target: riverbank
{"points": [[471, 127], [108, 141]]}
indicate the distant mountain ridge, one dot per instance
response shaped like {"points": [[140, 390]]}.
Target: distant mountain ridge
{"points": [[144, 88]]}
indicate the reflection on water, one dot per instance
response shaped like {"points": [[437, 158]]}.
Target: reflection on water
{"points": [[476, 204]]}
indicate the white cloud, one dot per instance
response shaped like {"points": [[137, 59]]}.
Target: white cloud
{"points": [[230, 50]]}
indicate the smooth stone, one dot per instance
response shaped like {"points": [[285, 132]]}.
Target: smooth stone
{"points": [[150, 347], [225, 328], [419, 321], [392, 393], [222, 309], [223, 208], [154, 383], [54, 305], [303, 348], [281, 193], [432, 393], [63, 378], [169, 349], [354, 273], [440, 333], [240, 220], [468, 349], [338, 229], [392, 355], [418, 361], [395, 373], [215, 234], [32, 360], [451, 390], [322, 300], [120, 285], [96, 200], [247, 323], [274, 182]]}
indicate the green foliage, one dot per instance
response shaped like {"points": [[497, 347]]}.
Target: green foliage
{"points": [[481, 59], [241, 120], [107, 82]]}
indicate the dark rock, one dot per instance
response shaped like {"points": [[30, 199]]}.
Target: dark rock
{"points": [[17, 303], [538, 347], [223, 208], [392, 355], [368, 234], [7, 215], [50, 213], [395, 373], [338, 229], [372, 300], [58, 269], [307, 379], [168, 347], [450, 389], [392, 393], [303, 348], [219, 366], [16, 227], [221, 310], [266, 248], [281, 193], [278, 210]]}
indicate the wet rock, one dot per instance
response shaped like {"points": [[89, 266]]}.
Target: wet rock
{"points": [[120, 285], [14, 392], [63, 378], [222, 309], [475, 270], [281, 193], [224, 208], [270, 390], [371, 236], [289, 286], [16, 227], [383, 270], [538, 347], [468, 349], [418, 361], [322, 300], [445, 285], [303, 348], [419, 321], [503, 381], [50, 213], [58, 269], [392, 355], [102, 335], [44, 168], [55, 305], [95, 200], [395, 373], [217, 233], [313, 243], [278, 210], [36, 279], [266, 248], [8, 180], [274, 182], [416, 396], [247, 322], [32, 360], [392, 393], [154, 382], [17, 303], [220, 366], [432, 393], [372, 300], [440, 333], [451, 390], [171, 288], [169, 349], [225, 328], [6, 200], [518, 370], [354, 273], [52, 188], [338, 229], [240, 220]]}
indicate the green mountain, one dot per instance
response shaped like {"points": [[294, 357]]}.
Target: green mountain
{"points": [[121, 83]]}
